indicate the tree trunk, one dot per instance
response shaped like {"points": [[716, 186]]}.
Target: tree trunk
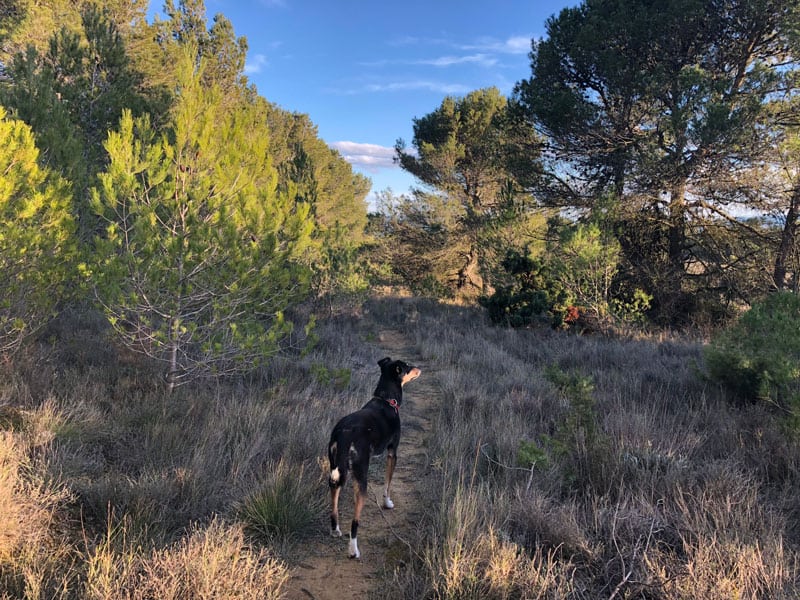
{"points": [[172, 374], [468, 280], [670, 287], [788, 242], [677, 231]]}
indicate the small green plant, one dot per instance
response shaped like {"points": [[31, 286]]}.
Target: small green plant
{"points": [[532, 296], [578, 440], [632, 310], [758, 358], [337, 378], [530, 454]]}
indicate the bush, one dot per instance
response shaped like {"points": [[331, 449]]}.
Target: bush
{"points": [[213, 562], [758, 358], [533, 296]]}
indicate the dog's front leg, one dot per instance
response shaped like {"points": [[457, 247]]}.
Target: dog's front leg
{"points": [[391, 461]]}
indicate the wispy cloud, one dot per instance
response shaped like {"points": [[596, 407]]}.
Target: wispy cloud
{"points": [[515, 44], [438, 87], [447, 61], [255, 64], [484, 60], [518, 45], [370, 157]]}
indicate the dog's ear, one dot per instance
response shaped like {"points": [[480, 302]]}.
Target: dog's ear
{"points": [[384, 361]]}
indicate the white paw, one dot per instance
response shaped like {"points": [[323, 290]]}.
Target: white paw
{"points": [[354, 553], [336, 532], [387, 502]]}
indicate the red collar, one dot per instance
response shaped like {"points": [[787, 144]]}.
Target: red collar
{"points": [[393, 403]]}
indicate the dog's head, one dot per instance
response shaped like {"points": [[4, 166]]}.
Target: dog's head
{"points": [[398, 371]]}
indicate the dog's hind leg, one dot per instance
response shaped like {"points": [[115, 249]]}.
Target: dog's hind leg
{"points": [[335, 482], [335, 531], [360, 497], [391, 461], [360, 478]]}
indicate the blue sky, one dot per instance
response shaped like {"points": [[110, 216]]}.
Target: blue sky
{"points": [[363, 70]]}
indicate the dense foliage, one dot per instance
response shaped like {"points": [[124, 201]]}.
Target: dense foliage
{"points": [[646, 169], [201, 212], [671, 126], [36, 236], [758, 358]]}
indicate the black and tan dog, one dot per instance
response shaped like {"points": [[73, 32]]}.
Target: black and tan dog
{"points": [[372, 430]]}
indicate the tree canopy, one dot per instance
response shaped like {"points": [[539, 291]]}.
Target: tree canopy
{"points": [[201, 212], [481, 160], [37, 248], [664, 105]]}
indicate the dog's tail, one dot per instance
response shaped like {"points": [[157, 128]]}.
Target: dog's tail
{"points": [[338, 456]]}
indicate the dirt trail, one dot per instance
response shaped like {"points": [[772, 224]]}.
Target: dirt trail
{"points": [[326, 573]]}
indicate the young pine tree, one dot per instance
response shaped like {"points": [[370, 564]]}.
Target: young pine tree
{"points": [[201, 255], [36, 236]]}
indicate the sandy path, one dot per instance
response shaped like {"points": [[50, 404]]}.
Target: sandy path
{"points": [[326, 573]]}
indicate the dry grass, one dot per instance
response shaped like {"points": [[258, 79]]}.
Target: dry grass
{"points": [[106, 481], [649, 484], [36, 556], [214, 562], [656, 487]]}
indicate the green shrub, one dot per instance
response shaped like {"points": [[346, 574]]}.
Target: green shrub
{"points": [[532, 296], [758, 358], [337, 378], [579, 442]]}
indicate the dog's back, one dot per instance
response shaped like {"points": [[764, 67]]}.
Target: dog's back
{"points": [[360, 434]]}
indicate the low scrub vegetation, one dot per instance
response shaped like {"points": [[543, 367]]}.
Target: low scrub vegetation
{"points": [[111, 487], [559, 466], [584, 467], [758, 358]]}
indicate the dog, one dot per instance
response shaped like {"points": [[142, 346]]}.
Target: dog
{"points": [[356, 437]]}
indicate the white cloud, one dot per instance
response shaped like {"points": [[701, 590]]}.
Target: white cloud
{"points": [[255, 64], [418, 84], [484, 60], [517, 44], [415, 85], [370, 157], [447, 61]]}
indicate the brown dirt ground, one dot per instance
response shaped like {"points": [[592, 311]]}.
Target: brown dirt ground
{"points": [[325, 572]]}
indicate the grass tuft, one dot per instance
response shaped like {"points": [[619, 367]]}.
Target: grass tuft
{"points": [[283, 508]]}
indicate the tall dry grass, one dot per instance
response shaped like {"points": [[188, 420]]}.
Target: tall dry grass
{"points": [[557, 467], [644, 483], [111, 488]]}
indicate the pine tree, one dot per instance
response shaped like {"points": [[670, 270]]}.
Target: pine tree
{"points": [[201, 254], [36, 236]]}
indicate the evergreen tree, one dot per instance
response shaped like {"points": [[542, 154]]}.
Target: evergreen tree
{"points": [[483, 160], [36, 236], [656, 103], [201, 253], [322, 178], [222, 53], [72, 95]]}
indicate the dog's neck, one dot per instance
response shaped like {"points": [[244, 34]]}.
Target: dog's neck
{"points": [[388, 390]]}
